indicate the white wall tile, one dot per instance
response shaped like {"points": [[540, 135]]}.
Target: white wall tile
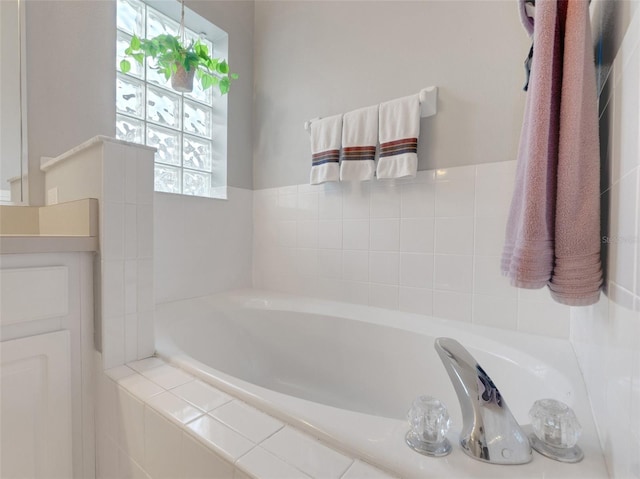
{"points": [[454, 235], [488, 279], [112, 231], [489, 235], [455, 191], [131, 179], [106, 458], [416, 300], [416, 270], [494, 188], [418, 200], [307, 261], [307, 234], [353, 292], [146, 338], [452, 305], [622, 239], [130, 415], [384, 267], [417, 235], [287, 207], [144, 219], [144, 176], [330, 234], [308, 206], [383, 296], [330, 263], [130, 231], [128, 468], [453, 273], [287, 233], [385, 200], [131, 337], [385, 235], [162, 446], [355, 200], [130, 286], [626, 150], [330, 204], [355, 234], [146, 298], [112, 289], [198, 462], [113, 171], [355, 265]]}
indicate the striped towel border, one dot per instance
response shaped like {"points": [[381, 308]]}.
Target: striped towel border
{"points": [[327, 156], [358, 153], [397, 147]]}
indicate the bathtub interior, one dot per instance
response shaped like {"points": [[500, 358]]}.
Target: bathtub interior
{"points": [[361, 366]]}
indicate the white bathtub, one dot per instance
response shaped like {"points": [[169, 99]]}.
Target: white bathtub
{"points": [[348, 373]]}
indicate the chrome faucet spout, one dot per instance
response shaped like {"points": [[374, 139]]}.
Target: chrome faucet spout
{"points": [[490, 433]]}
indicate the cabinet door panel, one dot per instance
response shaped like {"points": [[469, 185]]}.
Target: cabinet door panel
{"points": [[35, 407]]}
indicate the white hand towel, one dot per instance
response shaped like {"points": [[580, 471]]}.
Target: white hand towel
{"points": [[359, 139], [399, 131], [326, 136]]}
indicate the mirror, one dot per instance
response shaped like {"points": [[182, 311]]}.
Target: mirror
{"points": [[13, 120]]}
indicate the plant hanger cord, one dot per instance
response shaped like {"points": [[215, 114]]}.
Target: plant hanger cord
{"points": [[181, 30]]}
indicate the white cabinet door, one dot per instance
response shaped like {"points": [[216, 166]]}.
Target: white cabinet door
{"points": [[35, 407]]}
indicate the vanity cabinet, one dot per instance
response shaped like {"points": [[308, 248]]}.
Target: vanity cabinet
{"points": [[46, 360]]}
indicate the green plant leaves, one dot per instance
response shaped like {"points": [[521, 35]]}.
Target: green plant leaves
{"points": [[168, 53]]}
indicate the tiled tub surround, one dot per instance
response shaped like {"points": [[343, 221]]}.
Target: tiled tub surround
{"points": [[156, 421], [430, 245], [606, 336], [281, 354]]}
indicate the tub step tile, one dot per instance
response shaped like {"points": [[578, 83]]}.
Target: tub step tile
{"points": [[174, 408], [119, 372], [223, 440], [140, 386], [145, 364], [261, 464], [307, 454], [362, 470], [249, 422], [167, 376], [201, 395]]}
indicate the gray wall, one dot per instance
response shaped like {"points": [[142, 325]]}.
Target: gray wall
{"points": [[71, 78], [317, 58]]}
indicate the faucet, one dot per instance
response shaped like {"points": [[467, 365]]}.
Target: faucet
{"points": [[490, 433]]}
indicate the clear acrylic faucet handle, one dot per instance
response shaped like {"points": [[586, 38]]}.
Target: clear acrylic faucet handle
{"points": [[556, 430], [429, 422]]}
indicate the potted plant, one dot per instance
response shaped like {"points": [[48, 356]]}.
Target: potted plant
{"points": [[181, 63]]}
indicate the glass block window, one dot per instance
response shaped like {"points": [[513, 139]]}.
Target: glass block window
{"points": [[149, 112]]}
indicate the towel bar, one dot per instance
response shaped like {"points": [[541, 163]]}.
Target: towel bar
{"points": [[428, 105]]}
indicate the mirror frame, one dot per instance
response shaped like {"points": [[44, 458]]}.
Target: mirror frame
{"points": [[24, 157]]}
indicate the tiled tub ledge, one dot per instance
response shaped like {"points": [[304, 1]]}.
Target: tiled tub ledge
{"points": [[157, 421]]}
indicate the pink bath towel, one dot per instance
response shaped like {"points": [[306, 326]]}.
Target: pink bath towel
{"points": [[577, 274], [553, 231], [528, 253]]}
